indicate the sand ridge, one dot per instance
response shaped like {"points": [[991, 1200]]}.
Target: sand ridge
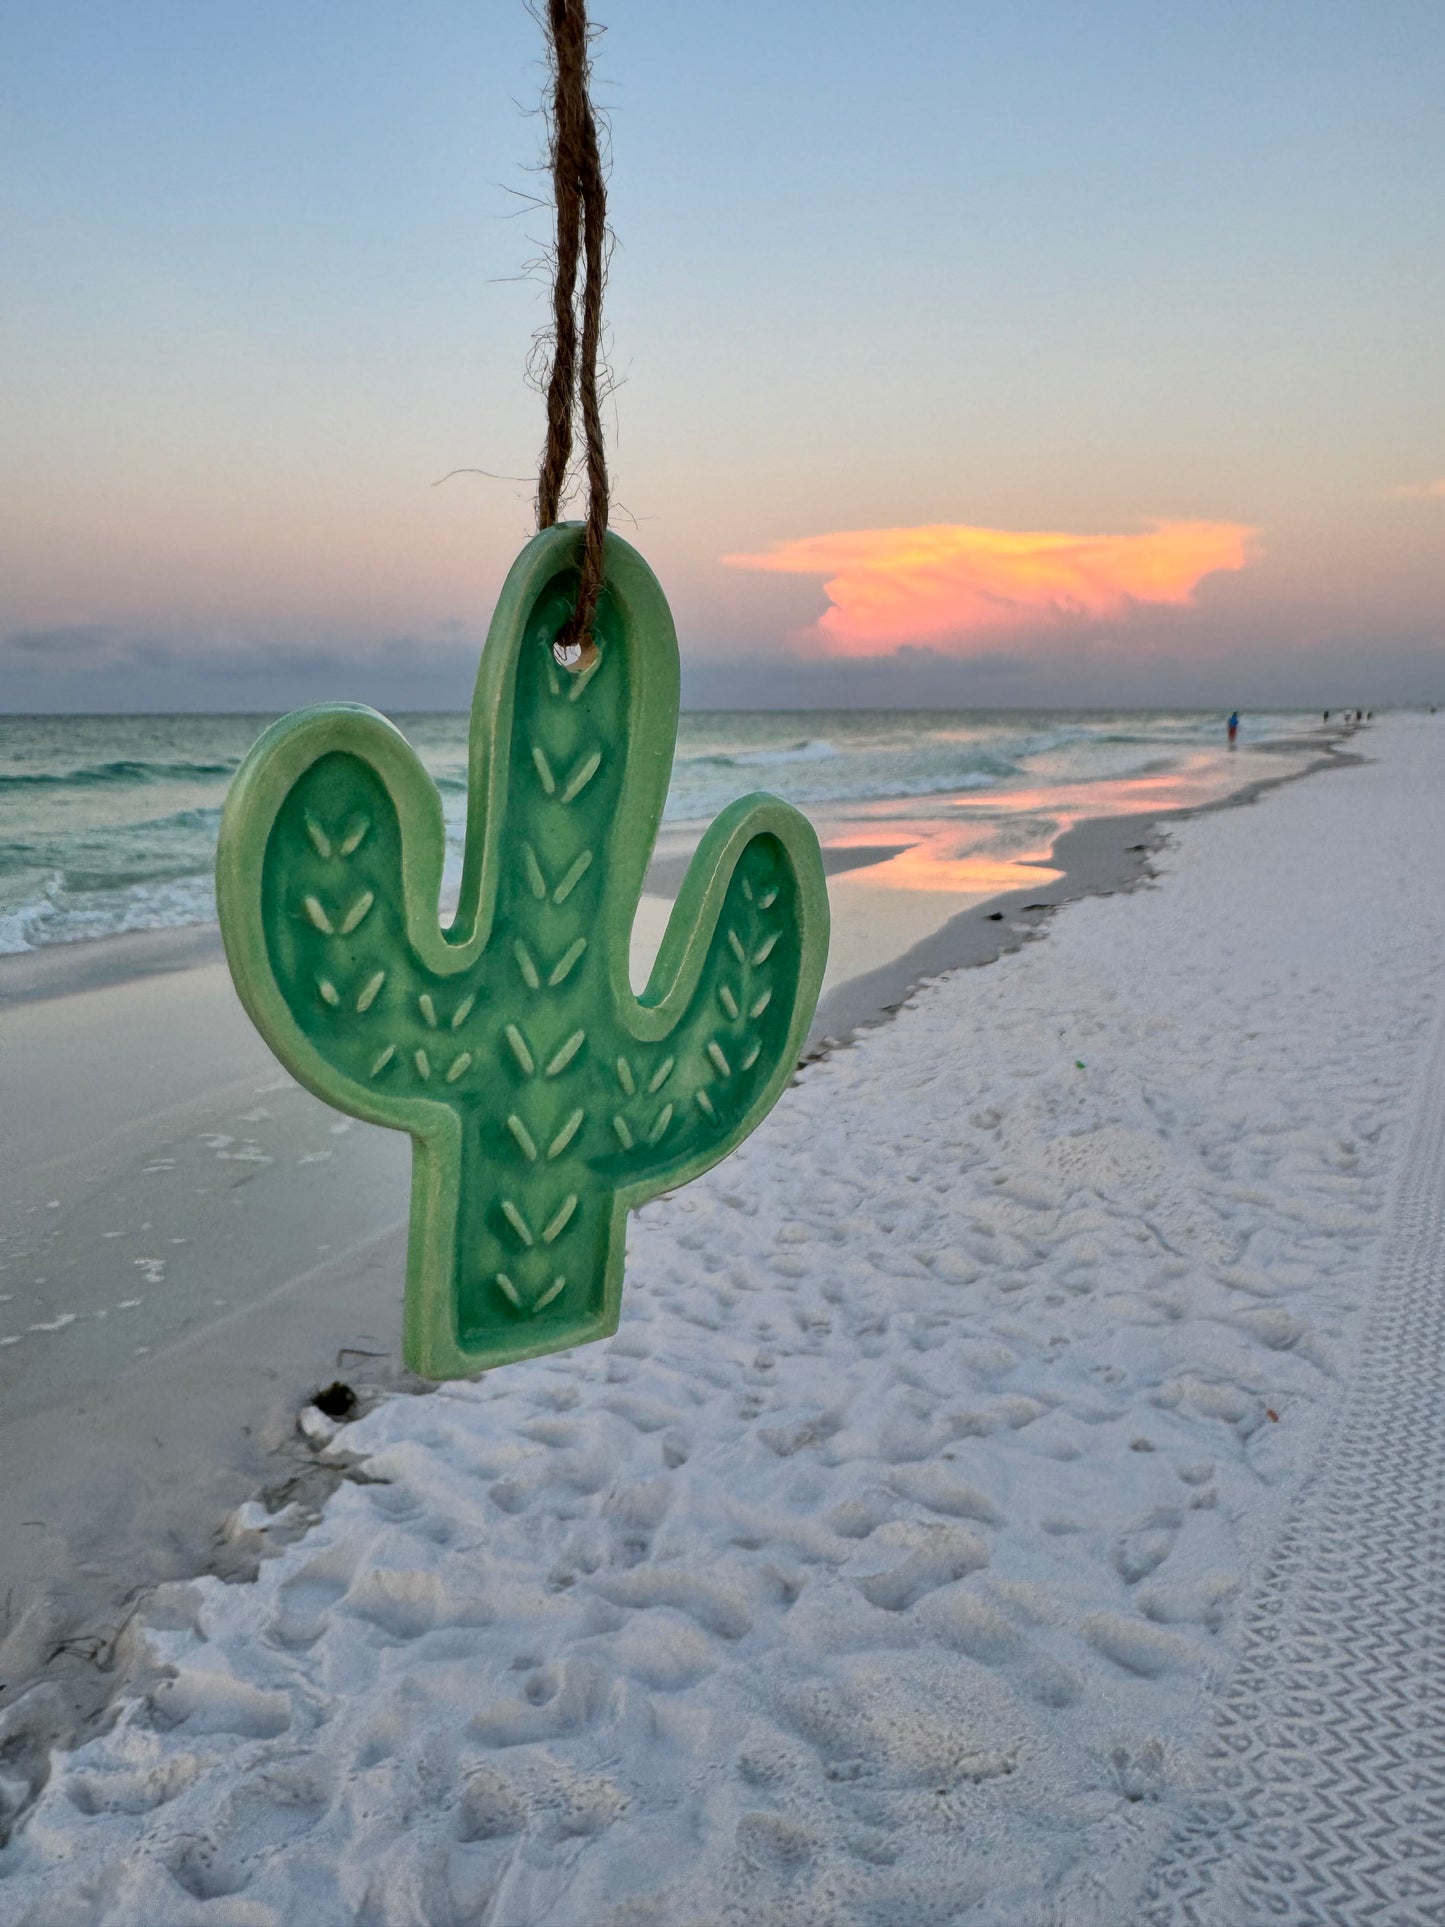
{"points": [[883, 1567]]}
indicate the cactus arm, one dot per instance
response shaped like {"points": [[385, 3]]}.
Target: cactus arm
{"points": [[720, 1027], [328, 868], [694, 932]]}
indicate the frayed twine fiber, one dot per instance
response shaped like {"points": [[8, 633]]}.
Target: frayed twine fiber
{"points": [[580, 192]]}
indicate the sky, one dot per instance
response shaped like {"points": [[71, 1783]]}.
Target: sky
{"points": [[966, 355]]}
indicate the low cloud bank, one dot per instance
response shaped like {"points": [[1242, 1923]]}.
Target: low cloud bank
{"points": [[957, 588]]}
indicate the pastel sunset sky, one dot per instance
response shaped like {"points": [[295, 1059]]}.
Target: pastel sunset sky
{"points": [[1050, 353]]}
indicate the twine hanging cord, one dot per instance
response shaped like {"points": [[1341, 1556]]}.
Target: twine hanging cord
{"points": [[580, 193]]}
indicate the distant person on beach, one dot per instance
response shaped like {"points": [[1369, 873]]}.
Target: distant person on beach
{"points": [[1233, 728], [1327, 715]]}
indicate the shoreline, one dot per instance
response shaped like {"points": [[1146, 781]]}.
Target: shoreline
{"points": [[1090, 854], [1098, 856], [93, 1507], [104, 963]]}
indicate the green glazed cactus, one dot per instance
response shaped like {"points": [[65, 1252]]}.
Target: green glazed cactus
{"points": [[544, 1097]]}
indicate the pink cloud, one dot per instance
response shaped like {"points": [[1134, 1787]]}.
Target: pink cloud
{"points": [[1421, 491], [956, 588]]}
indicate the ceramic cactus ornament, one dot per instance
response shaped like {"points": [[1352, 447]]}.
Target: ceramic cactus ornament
{"points": [[543, 1096]]}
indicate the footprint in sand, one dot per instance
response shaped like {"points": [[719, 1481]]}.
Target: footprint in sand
{"points": [[133, 1790], [905, 1719], [645, 1414], [409, 1603], [792, 1434], [1137, 1647], [940, 1490], [631, 1515], [717, 1604], [664, 1651], [1143, 1547], [772, 1844], [855, 1518], [556, 1701], [970, 1625], [304, 1602], [937, 1556], [1139, 1771], [490, 1807], [1204, 1601], [270, 1812], [205, 1702]]}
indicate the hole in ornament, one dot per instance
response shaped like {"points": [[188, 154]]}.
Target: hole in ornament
{"points": [[575, 657]]}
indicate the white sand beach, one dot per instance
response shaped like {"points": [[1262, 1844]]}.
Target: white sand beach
{"points": [[894, 1562]]}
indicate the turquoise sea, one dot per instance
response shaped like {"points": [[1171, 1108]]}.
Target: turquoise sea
{"points": [[108, 823]]}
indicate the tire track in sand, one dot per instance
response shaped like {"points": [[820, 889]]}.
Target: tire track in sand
{"points": [[1327, 1807]]}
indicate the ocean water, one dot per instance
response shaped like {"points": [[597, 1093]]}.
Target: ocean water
{"points": [[108, 823]]}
